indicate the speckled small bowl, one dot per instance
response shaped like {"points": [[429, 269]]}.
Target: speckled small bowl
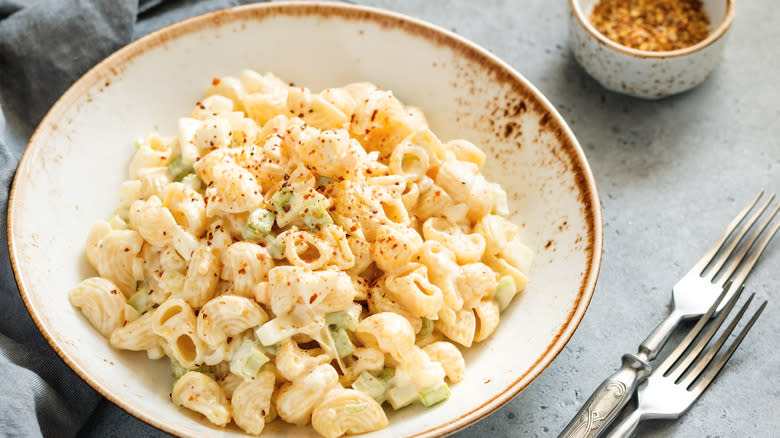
{"points": [[640, 73]]}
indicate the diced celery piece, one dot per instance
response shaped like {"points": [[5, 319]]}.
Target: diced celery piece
{"points": [[427, 327], [436, 394], [341, 340], [178, 169], [373, 386], [193, 181], [323, 180], [342, 319], [315, 215], [177, 370], [505, 291], [261, 221], [355, 408], [141, 301], [500, 205], [270, 350], [404, 395], [282, 199], [272, 332], [247, 360], [386, 374]]}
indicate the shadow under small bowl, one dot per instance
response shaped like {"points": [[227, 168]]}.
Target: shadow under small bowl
{"points": [[646, 74]]}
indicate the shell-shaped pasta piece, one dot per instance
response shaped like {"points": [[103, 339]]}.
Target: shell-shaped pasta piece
{"points": [[245, 264], [230, 187], [475, 281], [136, 335], [320, 291], [226, 316], [424, 372], [450, 358], [153, 220], [295, 401], [187, 207], [503, 267], [301, 248], [114, 254], [409, 160], [381, 300], [154, 181], [394, 247], [460, 328], [347, 411], [497, 231], [416, 293], [380, 122], [466, 247], [102, 304], [202, 276], [488, 317], [465, 150], [332, 153], [292, 362], [389, 332], [200, 393], [362, 359], [456, 178], [441, 265], [251, 402]]}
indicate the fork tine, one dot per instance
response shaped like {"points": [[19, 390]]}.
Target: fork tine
{"points": [[716, 266], [678, 351], [710, 254], [745, 269], [690, 356], [702, 362], [715, 369]]}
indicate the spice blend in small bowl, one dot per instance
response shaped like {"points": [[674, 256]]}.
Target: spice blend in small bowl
{"points": [[652, 25]]}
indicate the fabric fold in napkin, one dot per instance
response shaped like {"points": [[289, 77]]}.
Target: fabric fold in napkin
{"points": [[44, 49]]}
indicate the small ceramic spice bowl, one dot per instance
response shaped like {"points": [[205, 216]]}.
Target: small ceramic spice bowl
{"points": [[642, 73]]}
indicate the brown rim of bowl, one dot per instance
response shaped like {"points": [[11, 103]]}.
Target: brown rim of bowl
{"points": [[728, 18], [589, 196]]}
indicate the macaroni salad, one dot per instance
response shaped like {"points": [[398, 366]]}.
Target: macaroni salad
{"points": [[304, 256]]}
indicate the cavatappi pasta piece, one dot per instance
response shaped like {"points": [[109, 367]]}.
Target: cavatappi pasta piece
{"points": [[102, 304], [226, 316], [347, 411], [200, 393], [388, 332], [450, 359], [114, 254], [296, 400], [251, 402]]}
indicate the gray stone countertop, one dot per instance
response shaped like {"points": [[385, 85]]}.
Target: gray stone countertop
{"points": [[671, 174]]}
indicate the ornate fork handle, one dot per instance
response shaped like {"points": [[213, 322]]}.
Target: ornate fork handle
{"points": [[604, 405]]}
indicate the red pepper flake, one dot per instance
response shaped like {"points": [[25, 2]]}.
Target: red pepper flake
{"points": [[215, 82], [312, 298]]}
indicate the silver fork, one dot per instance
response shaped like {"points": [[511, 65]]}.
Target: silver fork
{"points": [[692, 296], [674, 385]]}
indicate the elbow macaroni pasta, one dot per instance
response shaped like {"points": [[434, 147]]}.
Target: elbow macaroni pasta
{"points": [[285, 245]]}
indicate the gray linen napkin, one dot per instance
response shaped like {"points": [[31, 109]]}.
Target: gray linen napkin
{"points": [[44, 48]]}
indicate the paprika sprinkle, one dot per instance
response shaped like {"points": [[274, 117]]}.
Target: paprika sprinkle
{"points": [[652, 25]]}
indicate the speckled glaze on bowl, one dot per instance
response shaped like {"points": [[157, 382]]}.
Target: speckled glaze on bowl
{"points": [[79, 154], [639, 73]]}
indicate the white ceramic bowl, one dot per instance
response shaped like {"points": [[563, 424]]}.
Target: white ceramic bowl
{"points": [[79, 154], [640, 73]]}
